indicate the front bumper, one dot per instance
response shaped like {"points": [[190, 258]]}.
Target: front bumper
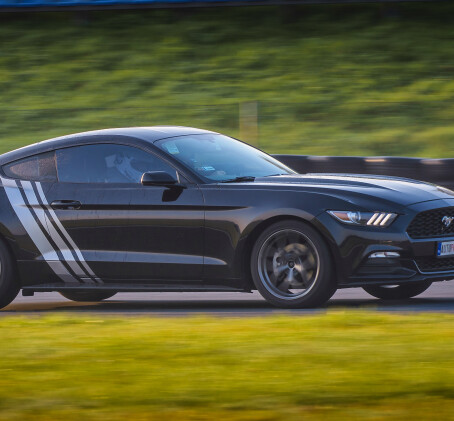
{"points": [[351, 247]]}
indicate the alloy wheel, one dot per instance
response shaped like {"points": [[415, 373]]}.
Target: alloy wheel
{"points": [[288, 264]]}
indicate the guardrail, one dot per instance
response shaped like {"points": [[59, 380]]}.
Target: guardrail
{"points": [[437, 171]]}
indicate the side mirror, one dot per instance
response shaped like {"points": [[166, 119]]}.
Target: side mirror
{"points": [[159, 178]]}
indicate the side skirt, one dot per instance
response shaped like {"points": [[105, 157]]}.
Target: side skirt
{"points": [[30, 290]]}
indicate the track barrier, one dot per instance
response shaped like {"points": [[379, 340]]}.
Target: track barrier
{"points": [[437, 171]]}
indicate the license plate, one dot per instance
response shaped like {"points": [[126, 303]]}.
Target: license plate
{"points": [[446, 248]]}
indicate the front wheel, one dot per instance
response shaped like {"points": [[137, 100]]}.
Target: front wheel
{"points": [[397, 292], [84, 296], [292, 266]]}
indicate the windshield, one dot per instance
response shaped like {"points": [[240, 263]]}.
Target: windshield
{"points": [[215, 157]]}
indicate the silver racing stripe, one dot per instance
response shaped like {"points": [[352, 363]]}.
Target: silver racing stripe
{"points": [[34, 231], [54, 235], [65, 234]]}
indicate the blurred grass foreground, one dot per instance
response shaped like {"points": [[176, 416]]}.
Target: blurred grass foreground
{"points": [[327, 80], [342, 366]]}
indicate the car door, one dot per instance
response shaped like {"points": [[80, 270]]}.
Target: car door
{"points": [[127, 232]]}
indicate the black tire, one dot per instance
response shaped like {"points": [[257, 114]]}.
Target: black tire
{"points": [[304, 263], [86, 296], [397, 292], [9, 284]]}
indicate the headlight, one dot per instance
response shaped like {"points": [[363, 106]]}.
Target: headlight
{"points": [[376, 219]]}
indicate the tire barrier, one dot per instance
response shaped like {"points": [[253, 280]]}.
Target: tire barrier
{"points": [[437, 171]]}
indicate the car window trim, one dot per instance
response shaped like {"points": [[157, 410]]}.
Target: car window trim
{"points": [[130, 144]]}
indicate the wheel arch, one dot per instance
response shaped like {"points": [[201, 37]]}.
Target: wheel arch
{"points": [[6, 239], [253, 235]]}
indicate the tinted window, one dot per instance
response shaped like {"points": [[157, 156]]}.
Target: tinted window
{"points": [[217, 157], [35, 168], [106, 163]]}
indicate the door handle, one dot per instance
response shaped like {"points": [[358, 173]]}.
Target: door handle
{"points": [[66, 204]]}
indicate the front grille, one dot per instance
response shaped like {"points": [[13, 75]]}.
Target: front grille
{"points": [[429, 224], [434, 264]]}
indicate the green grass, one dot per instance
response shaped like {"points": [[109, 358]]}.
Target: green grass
{"points": [[346, 80], [340, 365]]}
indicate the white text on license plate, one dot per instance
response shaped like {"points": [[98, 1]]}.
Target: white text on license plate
{"points": [[446, 248]]}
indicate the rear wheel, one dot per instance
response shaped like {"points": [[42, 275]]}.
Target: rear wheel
{"points": [[87, 296], [292, 267], [9, 285], [397, 292]]}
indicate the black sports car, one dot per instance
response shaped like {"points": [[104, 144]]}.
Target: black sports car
{"points": [[182, 209]]}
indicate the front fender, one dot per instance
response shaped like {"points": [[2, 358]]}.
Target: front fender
{"points": [[235, 214]]}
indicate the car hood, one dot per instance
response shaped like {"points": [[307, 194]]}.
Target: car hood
{"points": [[393, 189]]}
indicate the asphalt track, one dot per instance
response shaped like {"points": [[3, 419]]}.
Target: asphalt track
{"points": [[438, 298]]}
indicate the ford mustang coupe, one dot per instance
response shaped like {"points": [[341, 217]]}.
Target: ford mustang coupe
{"points": [[183, 209]]}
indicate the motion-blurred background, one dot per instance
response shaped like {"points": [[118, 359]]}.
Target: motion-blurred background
{"points": [[370, 79], [326, 79]]}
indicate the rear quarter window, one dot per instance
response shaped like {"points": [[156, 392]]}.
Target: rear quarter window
{"points": [[34, 168]]}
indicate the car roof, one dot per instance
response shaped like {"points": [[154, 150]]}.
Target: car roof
{"points": [[149, 134]]}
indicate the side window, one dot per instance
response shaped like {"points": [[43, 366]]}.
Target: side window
{"points": [[34, 168], [106, 163]]}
